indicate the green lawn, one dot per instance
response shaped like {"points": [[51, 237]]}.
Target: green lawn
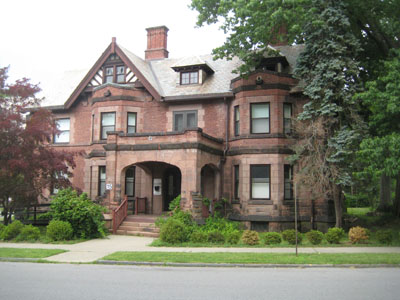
{"points": [[28, 253], [256, 258], [358, 210]]}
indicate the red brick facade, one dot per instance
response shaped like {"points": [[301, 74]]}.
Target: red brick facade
{"points": [[199, 159]]}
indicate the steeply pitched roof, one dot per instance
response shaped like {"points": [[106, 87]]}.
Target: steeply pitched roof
{"points": [[159, 76]]}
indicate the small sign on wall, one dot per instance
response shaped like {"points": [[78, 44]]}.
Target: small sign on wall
{"points": [[157, 186], [109, 186]]}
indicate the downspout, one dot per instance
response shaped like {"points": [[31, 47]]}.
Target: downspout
{"points": [[223, 160]]}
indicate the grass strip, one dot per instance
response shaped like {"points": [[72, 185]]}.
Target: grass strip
{"points": [[28, 253], [257, 258]]}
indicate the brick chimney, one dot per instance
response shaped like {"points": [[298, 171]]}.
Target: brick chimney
{"points": [[281, 32], [156, 43]]}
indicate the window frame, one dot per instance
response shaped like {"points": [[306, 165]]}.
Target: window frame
{"points": [[236, 120], [236, 182], [268, 118], [287, 130], [133, 182], [288, 169], [127, 122], [189, 80], [269, 181], [101, 124], [184, 113], [114, 76], [100, 181], [62, 131]]}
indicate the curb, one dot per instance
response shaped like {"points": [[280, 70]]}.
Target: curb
{"points": [[207, 265], [20, 259]]}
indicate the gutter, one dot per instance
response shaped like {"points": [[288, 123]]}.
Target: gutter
{"points": [[198, 97]]}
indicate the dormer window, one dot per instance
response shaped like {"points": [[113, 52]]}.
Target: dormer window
{"points": [[192, 70], [189, 77]]}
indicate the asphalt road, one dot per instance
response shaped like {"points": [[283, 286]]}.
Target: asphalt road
{"points": [[72, 281]]}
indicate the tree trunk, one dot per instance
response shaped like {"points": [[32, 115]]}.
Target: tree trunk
{"points": [[336, 193], [384, 195], [396, 203]]}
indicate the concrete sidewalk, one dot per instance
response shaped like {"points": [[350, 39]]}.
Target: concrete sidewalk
{"points": [[93, 250]]}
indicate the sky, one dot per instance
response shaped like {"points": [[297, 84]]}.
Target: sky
{"points": [[40, 39]]}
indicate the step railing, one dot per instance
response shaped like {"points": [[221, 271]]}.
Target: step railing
{"points": [[119, 214]]}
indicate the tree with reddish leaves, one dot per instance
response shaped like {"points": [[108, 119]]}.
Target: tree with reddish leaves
{"points": [[28, 164]]}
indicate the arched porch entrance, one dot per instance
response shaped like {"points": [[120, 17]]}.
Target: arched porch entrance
{"points": [[158, 182]]}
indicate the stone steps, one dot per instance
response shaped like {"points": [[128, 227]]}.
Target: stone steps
{"points": [[139, 225]]}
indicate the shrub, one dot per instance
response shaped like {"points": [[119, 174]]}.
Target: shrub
{"points": [[384, 236], [175, 204], [28, 233], [173, 232], [272, 238], [315, 237], [223, 225], [198, 237], [59, 230], [289, 235], [215, 237], [2, 226], [334, 235], [358, 234], [250, 237], [233, 237], [85, 217], [11, 230]]}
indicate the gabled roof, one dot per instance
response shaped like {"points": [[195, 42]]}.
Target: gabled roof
{"points": [[161, 77]]}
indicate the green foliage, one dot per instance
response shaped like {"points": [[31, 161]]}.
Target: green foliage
{"points": [[175, 204], [289, 236], [334, 235], [384, 236], [198, 237], [2, 226], [271, 238], [174, 232], [12, 230], [85, 217], [215, 237], [233, 237], [315, 237], [28, 233], [358, 234], [220, 224], [59, 230], [250, 237]]}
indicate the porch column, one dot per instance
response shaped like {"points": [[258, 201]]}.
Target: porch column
{"points": [[190, 182]]}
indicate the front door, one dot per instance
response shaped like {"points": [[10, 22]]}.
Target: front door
{"points": [[172, 183]]}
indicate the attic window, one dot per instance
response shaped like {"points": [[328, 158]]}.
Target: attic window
{"points": [[189, 77], [114, 74]]}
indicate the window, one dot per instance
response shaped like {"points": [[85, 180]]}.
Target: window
{"points": [[107, 124], [260, 181], [131, 123], [288, 175], [63, 127], [287, 118], [185, 120], [236, 176], [237, 120], [102, 180], [109, 75], [59, 178], [120, 74], [130, 181], [259, 118], [114, 74], [189, 77]]}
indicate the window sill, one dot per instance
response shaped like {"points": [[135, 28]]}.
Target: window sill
{"points": [[260, 202]]}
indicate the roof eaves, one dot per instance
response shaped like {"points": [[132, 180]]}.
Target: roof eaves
{"points": [[198, 97]]}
